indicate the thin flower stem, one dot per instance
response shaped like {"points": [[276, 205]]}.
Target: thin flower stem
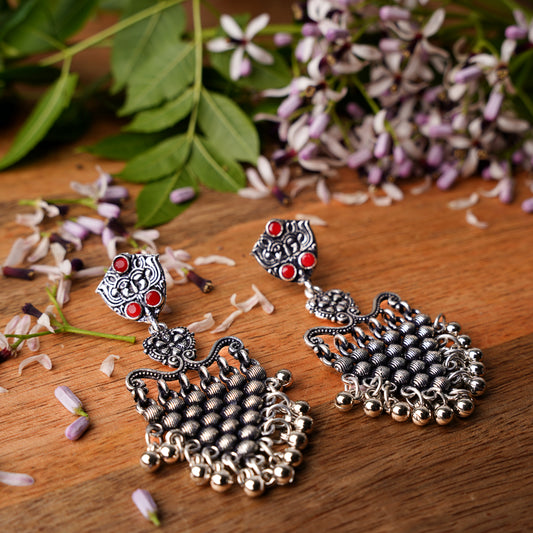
{"points": [[109, 32], [370, 101], [52, 298], [90, 333]]}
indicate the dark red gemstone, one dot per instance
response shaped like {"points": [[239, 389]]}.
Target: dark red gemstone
{"points": [[308, 260], [121, 264], [153, 298], [133, 310], [274, 228], [288, 272]]}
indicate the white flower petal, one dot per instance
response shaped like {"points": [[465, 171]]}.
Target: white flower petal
{"points": [[217, 259], [256, 25], [313, 219], [252, 194], [365, 51], [15, 479], [42, 359], [495, 191], [259, 54], [245, 306], [263, 301], [392, 190], [3, 389], [202, 325], [434, 23], [30, 220], [220, 44], [227, 322], [23, 325], [380, 201], [235, 63], [230, 26], [473, 220], [464, 203], [108, 365], [507, 50], [353, 198], [265, 170]]}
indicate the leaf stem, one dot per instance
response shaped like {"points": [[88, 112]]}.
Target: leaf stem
{"points": [[109, 32]]}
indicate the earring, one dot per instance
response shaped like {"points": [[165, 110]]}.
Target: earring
{"points": [[398, 360], [236, 426]]}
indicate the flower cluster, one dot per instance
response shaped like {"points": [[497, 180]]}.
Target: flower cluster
{"points": [[380, 88]]}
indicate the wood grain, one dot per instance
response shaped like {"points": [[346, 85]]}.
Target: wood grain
{"points": [[359, 474]]}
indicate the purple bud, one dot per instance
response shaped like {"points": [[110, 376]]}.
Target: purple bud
{"points": [[310, 29], [421, 119], [447, 178], [30, 309], [374, 175], [527, 205], [67, 245], [440, 130], [355, 111], [359, 158], [515, 33], [393, 13], [107, 236], [69, 400], [75, 229], [289, 105], [146, 505], [94, 225], [399, 155], [493, 106], [181, 195], [280, 196], [383, 145], [435, 155], [432, 94], [108, 210], [318, 126], [282, 39], [308, 151], [486, 173], [75, 430], [77, 264], [203, 284], [405, 169], [332, 34], [115, 192], [116, 226], [467, 74], [517, 157]]}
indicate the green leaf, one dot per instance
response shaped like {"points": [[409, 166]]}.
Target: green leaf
{"points": [[124, 146], [133, 45], [166, 157], [262, 77], [153, 204], [41, 119], [214, 169], [226, 126], [163, 117], [47, 25], [164, 76]]}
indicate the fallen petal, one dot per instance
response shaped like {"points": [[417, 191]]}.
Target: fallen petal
{"points": [[423, 187], [42, 359], [15, 479], [392, 191], [218, 259], [464, 203], [263, 302], [69, 400], [3, 389], [313, 219], [227, 322], [247, 305], [473, 220], [75, 430], [108, 365], [353, 198], [202, 325]]}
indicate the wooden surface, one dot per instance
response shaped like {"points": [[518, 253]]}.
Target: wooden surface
{"points": [[360, 474]]}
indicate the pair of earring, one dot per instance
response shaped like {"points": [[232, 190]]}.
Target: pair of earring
{"points": [[238, 426]]}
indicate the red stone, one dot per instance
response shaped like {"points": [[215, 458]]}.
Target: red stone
{"points": [[287, 272], [308, 260], [121, 264], [274, 228], [133, 310], [153, 298]]}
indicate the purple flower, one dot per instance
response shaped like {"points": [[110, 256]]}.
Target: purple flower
{"points": [[447, 178], [527, 205], [15, 479], [494, 104], [240, 41], [181, 195], [282, 39], [69, 400], [108, 210], [393, 13], [75, 430], [76, 230], [94, 225], [146, 505], [318, 125], [262, 182]]}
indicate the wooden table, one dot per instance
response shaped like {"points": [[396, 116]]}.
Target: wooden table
{"points": [[360, 474]]}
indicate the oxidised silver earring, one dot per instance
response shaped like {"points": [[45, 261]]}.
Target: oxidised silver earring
{"points": [[398, 360], [236, 426]]}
